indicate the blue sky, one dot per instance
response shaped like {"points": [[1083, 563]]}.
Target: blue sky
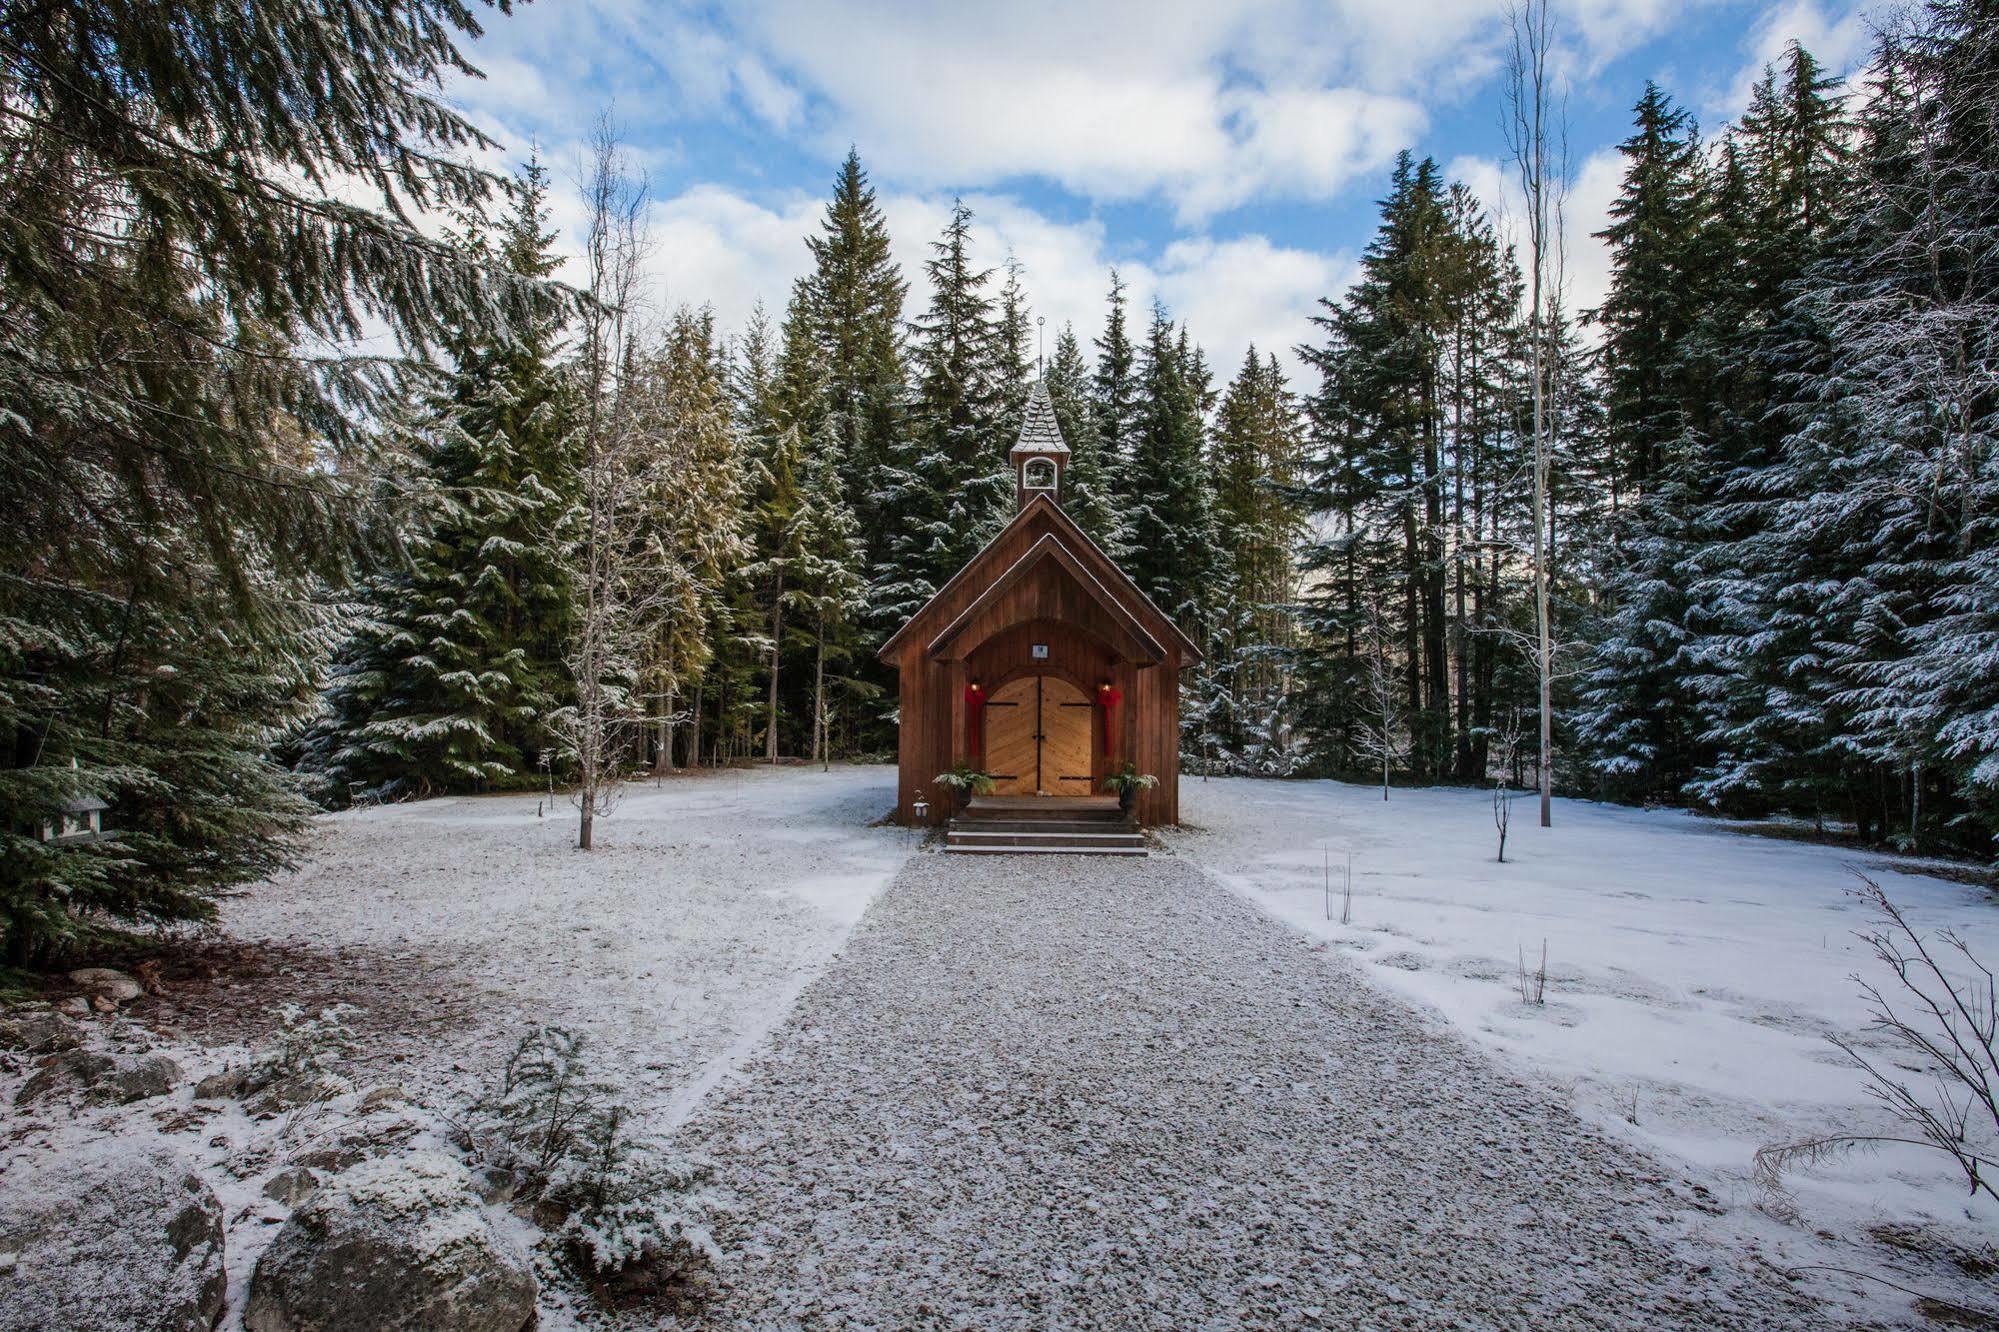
{"points": [[1226, 157]]}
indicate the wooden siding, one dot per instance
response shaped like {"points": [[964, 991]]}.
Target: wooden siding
{"points": [[1059, 602]]}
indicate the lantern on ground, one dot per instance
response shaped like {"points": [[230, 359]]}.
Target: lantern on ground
{"points": [[921, 809]]}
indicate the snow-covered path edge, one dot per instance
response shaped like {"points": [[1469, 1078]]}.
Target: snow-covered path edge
{"points": [[1682, 1016]]}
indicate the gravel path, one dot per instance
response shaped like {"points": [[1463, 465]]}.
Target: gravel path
{"points": [[1107, 1094]]}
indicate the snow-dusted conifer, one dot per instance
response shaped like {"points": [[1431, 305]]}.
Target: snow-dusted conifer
{"points": [[458, 661]]}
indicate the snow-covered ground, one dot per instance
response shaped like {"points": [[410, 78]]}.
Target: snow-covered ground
{"points": [[1695, 972], [451, 927], [709, 901]]}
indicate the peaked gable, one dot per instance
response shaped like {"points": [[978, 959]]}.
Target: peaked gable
{"points": [[1021, 544]]}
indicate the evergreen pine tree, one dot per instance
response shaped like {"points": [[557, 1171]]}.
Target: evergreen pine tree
{"points": [[1254, 465], [950, 491], [1087, 481], [830, 587], [694, 516], [1116, 390], [1014, 350], [180, 479], [854, 298], [1637, 718], [459, 662], [1172, 540]]}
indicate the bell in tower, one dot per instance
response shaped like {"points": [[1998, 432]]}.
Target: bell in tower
{"points": [[1039, 456]]}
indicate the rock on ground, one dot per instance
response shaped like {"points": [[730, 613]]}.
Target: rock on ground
{"points": [[101, 1079], [393, 1245], [126, 1232], [107, 983], [1041, 1093]]}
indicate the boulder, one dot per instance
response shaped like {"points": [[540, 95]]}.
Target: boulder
{"points": [[106, 983], [101, 1079], [128, 1232], [138, 1077], [398, 1245], [223, 1086], [39, 1033], [291, 1186], [363, 1138], [294, 1090]]}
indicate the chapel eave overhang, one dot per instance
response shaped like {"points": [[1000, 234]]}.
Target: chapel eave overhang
{"points": [[1112, 582], [1139, 646]]}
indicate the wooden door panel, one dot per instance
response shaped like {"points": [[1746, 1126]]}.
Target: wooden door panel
{"points": [[1010, 745], [1066, 731]]}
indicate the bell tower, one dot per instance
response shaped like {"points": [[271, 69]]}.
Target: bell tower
{"points": [[1039, 456]]}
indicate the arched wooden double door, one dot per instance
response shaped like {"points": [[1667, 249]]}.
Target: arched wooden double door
{"points": [[1038, 737]]}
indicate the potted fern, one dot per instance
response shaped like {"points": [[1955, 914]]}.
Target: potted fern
{"points": [[965, 781], [1128, 781]]}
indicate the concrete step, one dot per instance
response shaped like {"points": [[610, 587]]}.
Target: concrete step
{"points": [[955, 849], [1044, 825], [961, 839], [1053, 811]]}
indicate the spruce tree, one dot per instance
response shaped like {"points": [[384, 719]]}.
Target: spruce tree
{"points": [[459, 661], [949, 492], [1014, 352], [1654, 224], [829, 592], [694, 516], [1087, 481], [181, 478], [1116, 389], [1637, 717], [854, 298], [1382, 432], [1254, 469], [1172, 539]]}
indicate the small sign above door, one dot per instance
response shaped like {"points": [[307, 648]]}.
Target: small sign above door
{"points": [[1040, 651]]}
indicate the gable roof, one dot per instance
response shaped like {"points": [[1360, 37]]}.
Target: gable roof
{"points": [[1139, 646], [1074, 552]]}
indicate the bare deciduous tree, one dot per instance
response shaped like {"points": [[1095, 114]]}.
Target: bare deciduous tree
{"points": [[1380, 683], [1540, 153], [1502, 785], [617, 603]]}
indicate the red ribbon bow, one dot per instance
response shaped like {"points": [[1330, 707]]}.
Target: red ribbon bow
{"points": [[975, 703], [1108, 699]]}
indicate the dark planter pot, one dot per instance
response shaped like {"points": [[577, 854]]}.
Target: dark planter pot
{"points": [[1127, 798]]}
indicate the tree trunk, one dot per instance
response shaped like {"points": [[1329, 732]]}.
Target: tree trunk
{"points": [[694, 727], [819, 700], [776, 652], [663, 755]]}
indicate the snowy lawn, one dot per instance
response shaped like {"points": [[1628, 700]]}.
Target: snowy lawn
{"points": [[709, 902], [1695, 972], [450, 928]]}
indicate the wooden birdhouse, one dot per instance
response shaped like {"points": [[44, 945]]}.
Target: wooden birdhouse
{"points": [[79, 820]]}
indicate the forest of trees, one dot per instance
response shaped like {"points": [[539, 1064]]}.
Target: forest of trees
{"points": [[567, 538]]}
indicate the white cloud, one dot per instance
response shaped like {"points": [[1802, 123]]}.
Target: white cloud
{"points": [[712, 246], [1838, 37], [1593, 186], [1207, 107]]}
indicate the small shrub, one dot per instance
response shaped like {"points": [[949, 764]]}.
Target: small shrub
{"points": [[965, 780], [622, 1207], [1945, 1017], [307, 1044], [1534, 984]]}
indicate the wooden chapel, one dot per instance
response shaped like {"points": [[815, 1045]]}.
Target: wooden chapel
{"points": [[1041, 662]]}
